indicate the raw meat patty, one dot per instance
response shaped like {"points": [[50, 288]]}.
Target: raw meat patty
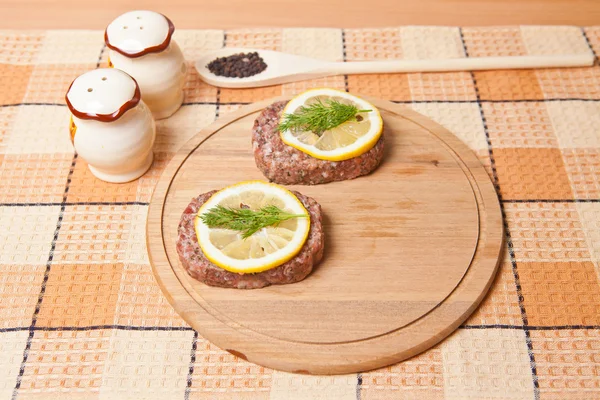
{"points": [[200, 268], [286, 165]]}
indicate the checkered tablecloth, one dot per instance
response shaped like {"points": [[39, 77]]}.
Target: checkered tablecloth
{"points": [[82, 317]]}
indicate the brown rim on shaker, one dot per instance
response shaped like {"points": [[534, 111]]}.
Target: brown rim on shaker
{"points": [[152, 49], [128, 105]]}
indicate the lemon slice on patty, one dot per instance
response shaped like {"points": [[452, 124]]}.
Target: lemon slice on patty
{"points": [[348, 140], [267, 248]]}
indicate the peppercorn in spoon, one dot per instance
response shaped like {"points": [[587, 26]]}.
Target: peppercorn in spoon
{"points": [[245, 68]]}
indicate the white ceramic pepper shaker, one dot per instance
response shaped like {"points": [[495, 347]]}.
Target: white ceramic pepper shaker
{"points": [[140, 44], [111, 127]]}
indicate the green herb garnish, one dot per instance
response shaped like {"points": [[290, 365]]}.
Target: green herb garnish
{"points": [[319, 117], [244, 219]]}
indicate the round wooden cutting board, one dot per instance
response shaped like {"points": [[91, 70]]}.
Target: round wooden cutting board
{"points": [[410, 251]]}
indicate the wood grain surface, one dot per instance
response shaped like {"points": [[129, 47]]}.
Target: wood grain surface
{"points": [[410, 251], [203, 14]]}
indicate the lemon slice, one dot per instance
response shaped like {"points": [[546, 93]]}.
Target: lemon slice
{"points": [[269, 247], [348, 140]]}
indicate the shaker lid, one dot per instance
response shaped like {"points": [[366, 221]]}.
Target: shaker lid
{"points": [[103, 95], [137, 33]]}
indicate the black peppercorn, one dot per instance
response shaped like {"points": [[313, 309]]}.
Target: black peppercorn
{"points": [[241, 65]]}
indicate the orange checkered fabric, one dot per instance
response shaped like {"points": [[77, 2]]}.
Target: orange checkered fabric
{"points": [[81, 316]]}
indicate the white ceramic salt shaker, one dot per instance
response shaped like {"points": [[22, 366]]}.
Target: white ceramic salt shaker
{"points": [[140, 44], [111, 128]]}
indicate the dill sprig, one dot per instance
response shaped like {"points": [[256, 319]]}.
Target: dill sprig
{"points": [[319, 117], [244, 219]]}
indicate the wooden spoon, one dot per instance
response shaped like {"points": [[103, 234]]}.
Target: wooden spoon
{"points": [[284, 68]]}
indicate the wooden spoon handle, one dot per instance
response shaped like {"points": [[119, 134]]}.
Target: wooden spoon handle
{"points": [[462, 64]]}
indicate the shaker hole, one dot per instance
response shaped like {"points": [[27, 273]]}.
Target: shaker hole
{"points": [[90, 90]]}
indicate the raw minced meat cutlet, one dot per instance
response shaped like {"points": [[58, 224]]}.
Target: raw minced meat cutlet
{"points": [[200, 268], [286, 165]]}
